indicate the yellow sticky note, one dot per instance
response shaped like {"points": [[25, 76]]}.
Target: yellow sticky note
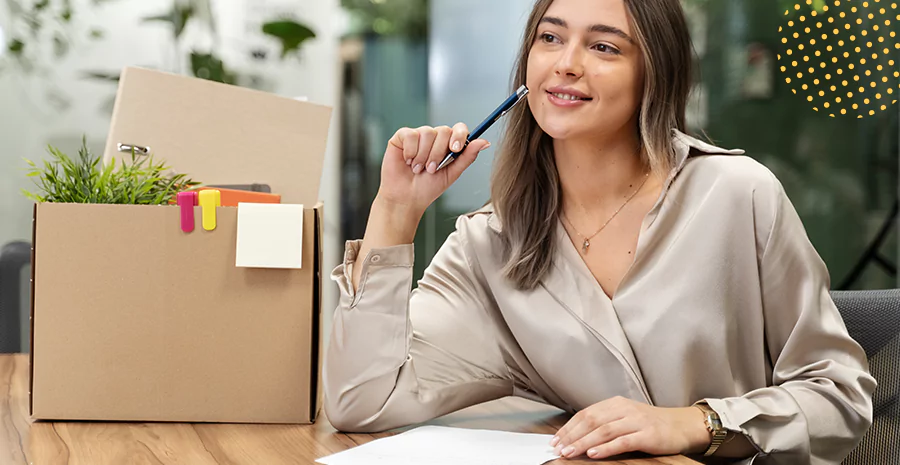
{"points": [[209, 200]]}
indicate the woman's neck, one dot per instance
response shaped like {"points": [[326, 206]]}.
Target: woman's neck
{"points": [[597, 174]]}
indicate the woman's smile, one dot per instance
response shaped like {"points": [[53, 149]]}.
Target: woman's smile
{"points": [[567, 98]]}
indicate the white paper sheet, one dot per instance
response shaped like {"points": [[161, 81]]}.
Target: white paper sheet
{"points": [[439, 445]]}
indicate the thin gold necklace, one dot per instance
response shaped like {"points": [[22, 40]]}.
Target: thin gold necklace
{"points": [[586, 245]]}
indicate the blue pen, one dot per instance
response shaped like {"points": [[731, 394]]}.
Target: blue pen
{"points": [[487, 123]]}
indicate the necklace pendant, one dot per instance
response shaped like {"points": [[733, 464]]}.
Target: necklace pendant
{"points": [[584, 246]]}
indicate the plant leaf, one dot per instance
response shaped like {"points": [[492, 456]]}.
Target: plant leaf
{"points": [[210, 67], [291, 34], [67, 8], [101, 76], [16, 47], [178, 18], [66, 15], [60, 46]]}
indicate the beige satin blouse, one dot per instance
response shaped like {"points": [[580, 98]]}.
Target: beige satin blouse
{"points": [[727, 301]]}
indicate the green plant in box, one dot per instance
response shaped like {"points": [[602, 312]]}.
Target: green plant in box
{"points": [[83, 179]]}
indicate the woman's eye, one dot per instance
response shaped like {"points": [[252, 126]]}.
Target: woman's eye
{"points": [[547, 38], [603, 48]]}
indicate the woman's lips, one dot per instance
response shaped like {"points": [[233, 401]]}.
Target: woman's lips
{"points": [[564, 102]]}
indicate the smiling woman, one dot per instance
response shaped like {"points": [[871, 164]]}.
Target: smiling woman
{"points": [[661, 289], [623, 79]]}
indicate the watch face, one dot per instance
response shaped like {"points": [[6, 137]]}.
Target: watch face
{"points": [[715, 422]]}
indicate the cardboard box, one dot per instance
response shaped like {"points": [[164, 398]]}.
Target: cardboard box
{"points": [[135, 320]]}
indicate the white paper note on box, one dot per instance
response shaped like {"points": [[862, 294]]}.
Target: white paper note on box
{"points": [[269, 235], [439, 445]]}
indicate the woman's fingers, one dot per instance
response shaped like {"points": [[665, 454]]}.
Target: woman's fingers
{"points": [[574, 430], [425, 148], [427, 135], [465, 159], [439, 149], [588, 420], [458, 139], [621, 445], [599, 436], [407, 141]]}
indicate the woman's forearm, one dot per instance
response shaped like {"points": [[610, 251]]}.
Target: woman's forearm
{"points": [[389, 224]]}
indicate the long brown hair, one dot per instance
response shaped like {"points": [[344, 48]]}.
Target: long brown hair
{"points": [[525, 187]]}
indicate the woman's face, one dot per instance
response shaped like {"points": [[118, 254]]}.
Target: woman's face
{"points": [[585, 69]]}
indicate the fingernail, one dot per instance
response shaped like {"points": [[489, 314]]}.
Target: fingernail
{"points": [[487, 146], [432, 167], [417, 169], [408, 161], [567, 451], [554, 441], [456, 146], [591, 453], [557, 450]]}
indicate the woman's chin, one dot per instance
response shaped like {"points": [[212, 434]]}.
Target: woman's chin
{"points": [[558, 131]]}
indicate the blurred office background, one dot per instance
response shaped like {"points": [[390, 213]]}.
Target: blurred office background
{"points": [[384, 64]]}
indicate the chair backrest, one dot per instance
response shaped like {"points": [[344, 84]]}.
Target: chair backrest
{"points": [[13, 258], [873, 320]]}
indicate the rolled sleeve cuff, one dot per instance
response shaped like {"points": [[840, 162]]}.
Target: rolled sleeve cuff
{"points": [[735, 413], [398, 255]]}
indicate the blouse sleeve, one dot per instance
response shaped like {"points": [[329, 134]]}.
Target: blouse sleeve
{"points": [[397, 357], [820, 401]]}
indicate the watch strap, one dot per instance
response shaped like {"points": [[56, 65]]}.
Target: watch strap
{"points": [[714, 425]]}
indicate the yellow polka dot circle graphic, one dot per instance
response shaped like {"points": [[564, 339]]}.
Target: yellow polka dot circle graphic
{"points": [[842, 56]]}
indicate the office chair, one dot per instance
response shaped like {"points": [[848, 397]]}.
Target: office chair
{"points": [[14, 256], [873, 320]]}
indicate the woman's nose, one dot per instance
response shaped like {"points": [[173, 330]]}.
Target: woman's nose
{"points": [[570, 62]]}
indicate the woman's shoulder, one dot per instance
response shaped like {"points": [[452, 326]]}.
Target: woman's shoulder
{"points": [[479, 230], [728, 172], [481, 223], [477, 236]]}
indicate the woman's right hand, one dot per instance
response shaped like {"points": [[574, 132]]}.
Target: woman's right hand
{"points": [[408, 172], [410, 183]]}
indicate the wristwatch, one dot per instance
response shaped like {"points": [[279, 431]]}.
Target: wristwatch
{"points": [[715, 428]]}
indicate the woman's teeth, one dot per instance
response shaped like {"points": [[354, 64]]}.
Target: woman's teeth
{"points": [[567, 97]]}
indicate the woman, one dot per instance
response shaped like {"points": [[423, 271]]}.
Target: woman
{"points": [[652, 283]]}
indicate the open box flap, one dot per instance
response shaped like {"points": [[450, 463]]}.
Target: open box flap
{"points": [[222, 134]]}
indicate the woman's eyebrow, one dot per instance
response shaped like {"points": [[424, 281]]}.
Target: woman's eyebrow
{"points": [[600, 28]]}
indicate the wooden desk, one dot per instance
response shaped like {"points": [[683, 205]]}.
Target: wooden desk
{"points": [[25, 442]]}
